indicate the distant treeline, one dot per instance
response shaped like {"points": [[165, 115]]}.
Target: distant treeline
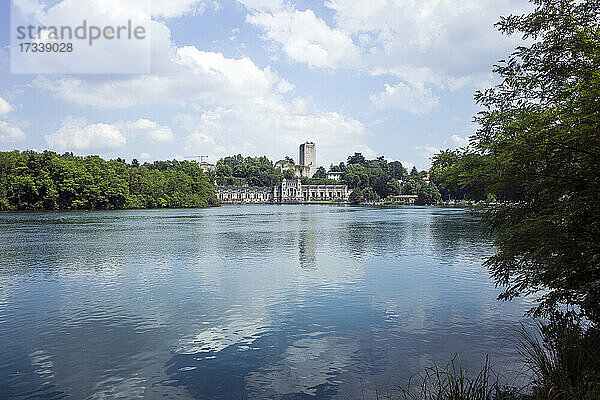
{"points": [[48, 181]]}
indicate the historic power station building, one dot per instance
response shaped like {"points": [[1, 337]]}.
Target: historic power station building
{"points": [[290, 190], [307, 161]]}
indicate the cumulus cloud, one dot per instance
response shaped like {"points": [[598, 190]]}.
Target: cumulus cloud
{"points": [[274, 129], [76, 134], [460, 141], [192, 76], [151, 130], [229, 105], [439, 43], [10, 133], [262, 4], [166, 9], [416, 99], [306, 38], [5, 107], [428, 151]]}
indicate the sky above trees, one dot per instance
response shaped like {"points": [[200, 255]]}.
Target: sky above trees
{"points": [[259, 77]]}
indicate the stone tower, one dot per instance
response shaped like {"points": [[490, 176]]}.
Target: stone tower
{"points": [[308, 158]]}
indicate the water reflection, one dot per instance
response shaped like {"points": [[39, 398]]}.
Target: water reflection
{"points": [[241, 302]]}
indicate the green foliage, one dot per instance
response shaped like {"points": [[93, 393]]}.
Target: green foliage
{"points": [[461, 174], [48, 181], [397, 171], [362, 177], [369, 194], [377, 179], [428, 194], [539, 138], [357, 158], [562, 359], [289, 174], [452, 382], [320, 173], [251, 171], [356, 197]]}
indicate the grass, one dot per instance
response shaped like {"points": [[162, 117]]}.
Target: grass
{"points": [[560, 358], [453, 382]]}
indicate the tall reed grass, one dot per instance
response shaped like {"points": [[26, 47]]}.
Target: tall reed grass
{"points": [[560, 359]]}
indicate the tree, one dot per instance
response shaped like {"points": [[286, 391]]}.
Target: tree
{"points": [[428, 195], [414, 173], [369, 194], [254, 171], [321, 173], [397, 170], [48, 181], [540, 134], [357, 158], [289, 174], [356, 196]]}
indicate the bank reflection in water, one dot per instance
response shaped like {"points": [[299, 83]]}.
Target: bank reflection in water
{"points": [[241, 301]]}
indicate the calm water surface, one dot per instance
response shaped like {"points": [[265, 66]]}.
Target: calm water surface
{"points": [[282, 302]]}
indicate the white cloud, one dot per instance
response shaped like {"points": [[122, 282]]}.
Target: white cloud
{"points": [[439, 43], [167, 9], [262, 4], [145, 156], [10, 133], [192, 76], [416, 99], [274, 129], [408, 165], [232, 105], [76, 134], [460, 141], [5, 107], [284, 86], [306, 38], [456, 38], [428, 151], [150, 129]]}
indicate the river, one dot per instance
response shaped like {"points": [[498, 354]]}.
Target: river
{"points": [[273, 301]]}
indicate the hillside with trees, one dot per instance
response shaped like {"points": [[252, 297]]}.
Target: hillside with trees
{"points": [[49, 181]]}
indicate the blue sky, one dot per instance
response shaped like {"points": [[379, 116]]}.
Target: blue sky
{"points": [[258, 77]]}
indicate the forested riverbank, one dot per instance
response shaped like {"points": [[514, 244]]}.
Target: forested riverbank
{"points": [[48, 181]]}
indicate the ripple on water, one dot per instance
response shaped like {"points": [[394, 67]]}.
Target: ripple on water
{"points": [[241, 302]]}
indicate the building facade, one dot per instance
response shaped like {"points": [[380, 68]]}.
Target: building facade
{"points": [[307, 166], [290, 191], [308, 158], [335, 176], [245, 194]]}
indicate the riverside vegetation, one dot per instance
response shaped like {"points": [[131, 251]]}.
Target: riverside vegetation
{"points": [[536, 155], [48, 181]]}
